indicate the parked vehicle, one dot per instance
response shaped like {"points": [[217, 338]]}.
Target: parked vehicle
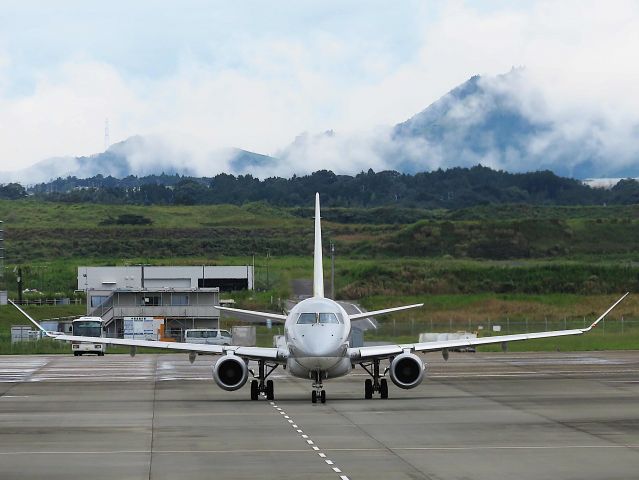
{"points": [[208, 336], [88, 327]]}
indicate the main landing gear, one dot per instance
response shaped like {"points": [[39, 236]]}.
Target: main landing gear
{"points": [[318, 392], [261, 385], [376, 384]]}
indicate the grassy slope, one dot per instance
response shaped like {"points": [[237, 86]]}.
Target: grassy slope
{"points": [[596, 257]]}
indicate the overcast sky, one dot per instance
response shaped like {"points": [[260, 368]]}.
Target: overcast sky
{"points": [[255, 74]]}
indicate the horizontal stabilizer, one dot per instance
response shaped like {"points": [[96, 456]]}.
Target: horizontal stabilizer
{"points": [[382, 312], [253, 313]]}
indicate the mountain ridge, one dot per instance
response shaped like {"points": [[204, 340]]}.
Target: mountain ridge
{"points": [[485, 120]]}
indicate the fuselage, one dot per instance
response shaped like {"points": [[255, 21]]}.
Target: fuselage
{"points": [[317, 331]]}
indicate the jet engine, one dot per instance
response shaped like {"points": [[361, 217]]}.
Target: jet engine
{"points": [[407, 370], [230, 372]]}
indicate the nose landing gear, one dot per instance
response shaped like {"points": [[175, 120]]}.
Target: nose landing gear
{"points": [[318, 389], [376, 384]]}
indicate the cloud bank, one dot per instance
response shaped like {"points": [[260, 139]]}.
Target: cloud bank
{"points": [[261, 91]]}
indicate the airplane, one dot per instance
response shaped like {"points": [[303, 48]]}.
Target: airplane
{"points": [[316, 347]]}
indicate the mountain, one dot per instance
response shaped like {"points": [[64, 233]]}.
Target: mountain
{"points": [[503, 122], [474, 123], [138, 155]]}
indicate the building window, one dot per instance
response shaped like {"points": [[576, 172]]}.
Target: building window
{"points": [[180, 299], [151, 301], [98, 300]]}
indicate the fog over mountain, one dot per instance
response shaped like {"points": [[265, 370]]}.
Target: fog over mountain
{"points": [[504, 122]]}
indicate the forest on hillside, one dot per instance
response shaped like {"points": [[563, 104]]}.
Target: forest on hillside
{"points": [[451, 189]]}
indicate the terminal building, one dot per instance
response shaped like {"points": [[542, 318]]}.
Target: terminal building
{"points": [[175, 298]]}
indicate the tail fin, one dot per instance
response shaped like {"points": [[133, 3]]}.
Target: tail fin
{"points": [[318, 271]]}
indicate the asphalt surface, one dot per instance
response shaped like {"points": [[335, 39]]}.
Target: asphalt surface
{"points": [[478, 416]]}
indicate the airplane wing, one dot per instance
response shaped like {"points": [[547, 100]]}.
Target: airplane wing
{"points": [[252, 353], [385, 351], [357, 316]]}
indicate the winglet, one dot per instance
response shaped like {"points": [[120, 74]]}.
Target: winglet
{"points": [[594, 324], [318, 271], [31, 319]]}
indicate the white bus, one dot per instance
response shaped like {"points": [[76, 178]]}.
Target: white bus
{"points": [[88, 327]]}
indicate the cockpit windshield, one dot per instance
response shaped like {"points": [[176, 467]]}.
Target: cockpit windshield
{"points": [[310, 318], [328, 318], [307, 318]]}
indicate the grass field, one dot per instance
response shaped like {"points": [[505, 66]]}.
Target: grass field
{"points": [[526, 267]]}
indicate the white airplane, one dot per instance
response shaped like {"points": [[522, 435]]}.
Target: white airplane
{"points": [[316, 331]]}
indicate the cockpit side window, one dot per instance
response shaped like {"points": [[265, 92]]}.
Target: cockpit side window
{"points": [[328, 318], [307, 318]]}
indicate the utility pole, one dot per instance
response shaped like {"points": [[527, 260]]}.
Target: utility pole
{"points": [[268, 256], [19, 279], [333, 270]]}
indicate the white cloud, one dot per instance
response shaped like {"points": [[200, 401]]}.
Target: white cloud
{"points": [[260, 92]]}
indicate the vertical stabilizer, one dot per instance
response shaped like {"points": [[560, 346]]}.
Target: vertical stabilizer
{"points": [[318, 271]]}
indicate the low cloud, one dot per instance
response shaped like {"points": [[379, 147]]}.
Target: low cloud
{"points": [[260, 93]]}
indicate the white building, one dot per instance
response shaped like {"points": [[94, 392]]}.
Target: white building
{"points": [[183, 297]]}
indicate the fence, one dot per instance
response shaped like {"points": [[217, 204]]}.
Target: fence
{"points": [[500, 326], [49, 301]]}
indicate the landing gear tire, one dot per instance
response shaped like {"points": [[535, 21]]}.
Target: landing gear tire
{"points": [[76, 354], [254, 390], [314, 396], [270, 390], [100, 354], [323, 396], [383, 388], [368, 389]]}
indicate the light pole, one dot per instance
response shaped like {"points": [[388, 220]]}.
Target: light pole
{"points": [[333, 270]]}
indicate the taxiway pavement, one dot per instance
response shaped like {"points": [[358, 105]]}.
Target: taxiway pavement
{"points": [[477, 416]]}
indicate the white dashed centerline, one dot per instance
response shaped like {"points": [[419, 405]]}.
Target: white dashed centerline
{"points": [[309, 442]]}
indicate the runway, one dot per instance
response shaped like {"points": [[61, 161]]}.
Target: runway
{"points": [[477, 416]]}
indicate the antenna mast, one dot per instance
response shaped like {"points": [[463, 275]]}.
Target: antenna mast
{"points": [[107, 139]]}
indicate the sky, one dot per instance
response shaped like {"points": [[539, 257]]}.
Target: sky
{"points": [[204, 75]]}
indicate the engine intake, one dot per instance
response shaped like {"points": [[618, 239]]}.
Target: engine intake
{"points": [[407, 370], [230, 372]]}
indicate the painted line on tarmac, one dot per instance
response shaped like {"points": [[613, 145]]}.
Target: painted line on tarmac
{"points": [[321, 454], [310, 442]]}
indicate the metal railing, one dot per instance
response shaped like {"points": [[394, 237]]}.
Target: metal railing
{"points": [[49, 301]]}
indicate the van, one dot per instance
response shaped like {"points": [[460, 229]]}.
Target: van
{"points": [[208, 336]]}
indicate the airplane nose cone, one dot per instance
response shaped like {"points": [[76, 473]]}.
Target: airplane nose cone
{"points": [[319, 341]]}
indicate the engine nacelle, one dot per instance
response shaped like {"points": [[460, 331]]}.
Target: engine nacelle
{"points": [[230, 372], [407, 370]]}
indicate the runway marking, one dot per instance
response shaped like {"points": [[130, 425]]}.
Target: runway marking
{"points": [[303, 450], [310, 442]]}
